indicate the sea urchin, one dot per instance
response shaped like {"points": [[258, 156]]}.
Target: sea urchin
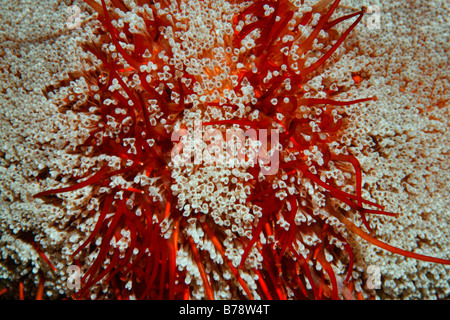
{"points": [[186, 96]]}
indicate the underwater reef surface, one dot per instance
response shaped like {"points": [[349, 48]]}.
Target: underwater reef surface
{"points": [[401, 140]]}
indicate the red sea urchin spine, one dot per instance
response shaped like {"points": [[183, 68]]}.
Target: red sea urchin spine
{"points": [[138, 234]]}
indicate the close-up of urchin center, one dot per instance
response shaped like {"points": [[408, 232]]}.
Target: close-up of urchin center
{"points": [[215, 150]]}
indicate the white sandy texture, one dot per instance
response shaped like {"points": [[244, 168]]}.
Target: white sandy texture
{"points": [[402, 141]]}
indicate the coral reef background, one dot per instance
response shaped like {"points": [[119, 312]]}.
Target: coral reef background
{"points": [[402, 140]]}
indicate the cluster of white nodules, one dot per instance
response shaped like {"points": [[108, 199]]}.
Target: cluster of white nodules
{"points": [[208, 170], [407, 171]]}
